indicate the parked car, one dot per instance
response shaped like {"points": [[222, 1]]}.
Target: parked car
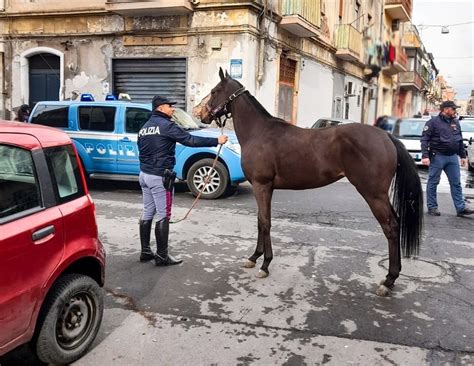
{"points": [[330, 122], [51, 260], [105, 135], [467, 128], [409, 131], [386, 123]]}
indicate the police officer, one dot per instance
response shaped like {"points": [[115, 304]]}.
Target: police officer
{"points": [[23, 113], [441, 147], [156, 145]]}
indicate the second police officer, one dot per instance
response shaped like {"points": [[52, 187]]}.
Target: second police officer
{"points": [[441, 147]]}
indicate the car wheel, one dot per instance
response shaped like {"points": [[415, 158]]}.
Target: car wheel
{"points": [[198, 173], [69, 320]]}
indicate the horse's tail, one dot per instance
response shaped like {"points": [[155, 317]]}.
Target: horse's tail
{"points": [[408, 201]]}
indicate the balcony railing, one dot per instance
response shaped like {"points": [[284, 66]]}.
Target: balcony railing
{"points": [[411, 40], [301, 17], [399, 9], [149, 7], [348, 42], [410, 80]]}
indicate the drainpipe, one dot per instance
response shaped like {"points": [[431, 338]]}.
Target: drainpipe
{"points": [[380, 74], [2, 83], [261, 45]]}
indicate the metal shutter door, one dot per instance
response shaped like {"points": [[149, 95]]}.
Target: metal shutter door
{"points": [[142, 79]]}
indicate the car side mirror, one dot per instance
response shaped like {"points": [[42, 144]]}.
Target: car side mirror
{"points": [[470, 141]]}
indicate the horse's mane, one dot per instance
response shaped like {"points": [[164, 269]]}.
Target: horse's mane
{"points": [[260, 107]]}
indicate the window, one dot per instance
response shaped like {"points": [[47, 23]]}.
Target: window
{"points": [[135, 118], [51, 115], [97, 118], [19, 188], [63, 165]]}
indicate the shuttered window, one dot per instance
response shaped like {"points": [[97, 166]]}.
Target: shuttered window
{"points": [[144, 78]]}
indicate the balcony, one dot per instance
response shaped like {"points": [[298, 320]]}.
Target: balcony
{"points": [[399, 64], [410, 80], [348, 43], [411, 40], [399, 9], [301, 17], [149, 7]]}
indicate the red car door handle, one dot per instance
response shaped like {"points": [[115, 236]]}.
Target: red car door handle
{"points": [[42, 233]]}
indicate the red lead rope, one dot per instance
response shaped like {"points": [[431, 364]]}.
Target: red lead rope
{"points": [[206, 182]]}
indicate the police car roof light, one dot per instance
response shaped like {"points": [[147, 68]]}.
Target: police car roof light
{"points": [[110, 97], [87, 97]]}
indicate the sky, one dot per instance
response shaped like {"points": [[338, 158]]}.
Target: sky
{"points": [[454, 52]]}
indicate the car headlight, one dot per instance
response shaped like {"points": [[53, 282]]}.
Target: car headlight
{"points": [[233, 146]]}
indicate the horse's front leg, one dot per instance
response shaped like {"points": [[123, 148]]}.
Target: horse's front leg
{"points": [[263, 195]]}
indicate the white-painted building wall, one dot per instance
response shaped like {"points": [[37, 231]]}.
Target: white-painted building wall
{"points": [[315, 93], [354, 99]]}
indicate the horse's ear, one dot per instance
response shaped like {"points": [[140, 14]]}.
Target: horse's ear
{"points": [[221, 74], [227, 74]]}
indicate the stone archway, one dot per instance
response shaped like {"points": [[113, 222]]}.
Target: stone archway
{"points": [[41, 63]]}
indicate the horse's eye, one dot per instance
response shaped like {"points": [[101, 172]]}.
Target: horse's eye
{"points": [[213, 92]]}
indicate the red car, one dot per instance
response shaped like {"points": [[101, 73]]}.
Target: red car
{"points": [[51, 260]]}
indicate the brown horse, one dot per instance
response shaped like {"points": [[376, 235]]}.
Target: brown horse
{"points": [[279, 155]]}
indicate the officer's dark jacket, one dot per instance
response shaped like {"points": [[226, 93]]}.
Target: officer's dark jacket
{"points": [[157, 143], [442, 135]]}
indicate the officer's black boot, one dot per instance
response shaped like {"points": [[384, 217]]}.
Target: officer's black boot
{"points": [[145, 231], [162, 258]]}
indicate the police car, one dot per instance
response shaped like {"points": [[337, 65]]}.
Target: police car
{"points": [[105, 136]]}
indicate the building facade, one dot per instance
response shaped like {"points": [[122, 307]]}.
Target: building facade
{"points": [[302, 59]]}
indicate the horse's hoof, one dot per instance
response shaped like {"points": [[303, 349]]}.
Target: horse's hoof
{"points": [[249, 264], [383, 291], [261, 274]]}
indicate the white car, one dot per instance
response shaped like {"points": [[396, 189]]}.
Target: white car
{"points": [[408, 131], [467, 128], [331, 122]]}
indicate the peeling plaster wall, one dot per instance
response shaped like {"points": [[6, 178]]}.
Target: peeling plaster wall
{"points": [[87, 68], [21, 6]]}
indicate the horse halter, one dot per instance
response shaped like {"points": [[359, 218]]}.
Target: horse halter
{"points": [[221, 110]]}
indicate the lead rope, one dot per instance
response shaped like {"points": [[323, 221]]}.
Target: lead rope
{"points": [[206, 182]]}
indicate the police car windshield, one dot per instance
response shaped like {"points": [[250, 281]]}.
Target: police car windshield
{"points": [[186, 121]]}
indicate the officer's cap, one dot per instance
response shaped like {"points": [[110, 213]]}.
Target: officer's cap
{"points": [[159, 100], [448, 104]]}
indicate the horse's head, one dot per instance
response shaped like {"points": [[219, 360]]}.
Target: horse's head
{"points": [[221, 95]]}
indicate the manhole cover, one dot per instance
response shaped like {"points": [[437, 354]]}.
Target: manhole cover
{"points": [[417, 268]]}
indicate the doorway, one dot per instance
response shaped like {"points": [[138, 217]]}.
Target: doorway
{"points": [[44, 78], [286, 90]]}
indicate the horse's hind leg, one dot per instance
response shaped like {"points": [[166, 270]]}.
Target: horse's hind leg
{"points": [[263, 196], [385, 215]]}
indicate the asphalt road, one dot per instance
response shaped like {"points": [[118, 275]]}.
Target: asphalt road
{"points": [[318, 306]]}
